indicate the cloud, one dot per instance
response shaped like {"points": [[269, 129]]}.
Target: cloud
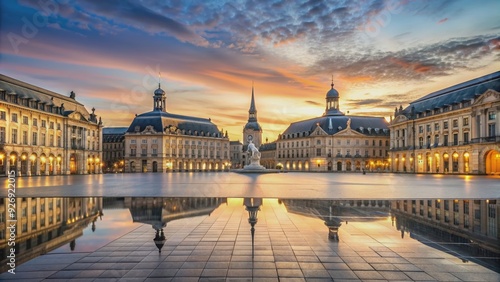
{"points": [[442, 20], [314, 103]]}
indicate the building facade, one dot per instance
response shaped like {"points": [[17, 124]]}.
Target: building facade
{"points": [[334, 142], [236, 154], [158, 141], [454, 130], [113, 145], [46, 133], [268, 155]]}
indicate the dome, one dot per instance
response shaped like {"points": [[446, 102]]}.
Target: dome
{"points": [[159, 92], [253, 126], [332, 93]]}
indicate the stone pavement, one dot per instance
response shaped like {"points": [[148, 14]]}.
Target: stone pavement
{"points": [[282, 185], [288, 247]]}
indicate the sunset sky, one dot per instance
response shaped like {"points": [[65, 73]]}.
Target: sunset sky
{"points": [[381, 54]]}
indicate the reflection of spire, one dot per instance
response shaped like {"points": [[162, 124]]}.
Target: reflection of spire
{"points": [[252, 205], [159, 239]]}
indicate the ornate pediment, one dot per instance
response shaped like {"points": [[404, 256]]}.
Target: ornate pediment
{"points": [[489, 96], [349, 132], [400, 118], [149, 129], [77, 116]]}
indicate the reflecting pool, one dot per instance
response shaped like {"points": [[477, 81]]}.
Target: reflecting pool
{"points": [[202, 238]]}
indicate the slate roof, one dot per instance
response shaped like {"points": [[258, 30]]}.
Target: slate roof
{"points": [[253, 125], [372, 126], [462, 92], [113, 134], [162, 121], [32, 92]]}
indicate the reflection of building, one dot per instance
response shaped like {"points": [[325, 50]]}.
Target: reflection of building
{"points": [[159, 141], [46, 133], [476, 220], [334, 141], [113, 148], [159, 211], [236, 154], [44, 224], [454, 130]]}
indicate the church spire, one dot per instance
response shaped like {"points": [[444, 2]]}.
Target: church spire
{"points": [[252, 112]]}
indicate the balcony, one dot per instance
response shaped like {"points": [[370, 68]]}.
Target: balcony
{"points": [[485, 139]]}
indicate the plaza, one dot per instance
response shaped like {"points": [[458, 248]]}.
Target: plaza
{"points": [[280, 185]]}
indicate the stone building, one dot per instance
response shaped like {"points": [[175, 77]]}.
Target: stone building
{"points": [[268, 155], [113, 144], [453, 130], [46, 133], [334, 142], [159, 141], [236, 154]]}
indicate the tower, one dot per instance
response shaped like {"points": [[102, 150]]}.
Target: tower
{"points": [[332, 103], [159, 99], [252, 130]]}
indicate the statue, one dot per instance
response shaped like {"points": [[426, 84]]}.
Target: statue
{"points": [[254, 158], [255, 152]]}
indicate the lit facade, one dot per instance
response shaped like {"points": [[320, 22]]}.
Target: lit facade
{"points": [[334, 142], [158, 141], [113, 145], [46, 133], [236, 154], [454, 130]]}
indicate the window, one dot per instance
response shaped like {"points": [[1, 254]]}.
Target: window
{"points": [[25, 120], [58, 126], [3, 115], [14, 136], [318, 142], [44, 123], [445, 125], [491, 130], [51, 125], [25, 137], [318, 152], [35, 122], [445, 141], [421, 142], [436, 126], [58, 141], [51, 140], [35, 138], [144, 141], [132, 152], [42, 139], [455, 123], [436, 140], [466, 137], [2, 134], [155, 141], [455, 139], [492, 115], [420, 129], [466, 121], [14, 117], [428, 128], [132, 141]]}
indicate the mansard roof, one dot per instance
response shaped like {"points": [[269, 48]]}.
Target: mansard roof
{"points": [[370, 126], [160, 121], [463, 92]]}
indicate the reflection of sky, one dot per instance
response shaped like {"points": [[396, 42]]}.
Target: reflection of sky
{"points": [[381, 54], [114, 224]]}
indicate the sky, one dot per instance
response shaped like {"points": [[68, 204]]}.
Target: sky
{"points": [[380, 54]]}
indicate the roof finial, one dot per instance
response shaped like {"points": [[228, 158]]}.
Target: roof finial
{"points": [[332, 80], [159, 78]]}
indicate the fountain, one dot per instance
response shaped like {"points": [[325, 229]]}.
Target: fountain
{"points": [[255, 166]]}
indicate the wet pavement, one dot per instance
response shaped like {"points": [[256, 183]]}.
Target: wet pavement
{"points": [[290, 243]]}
